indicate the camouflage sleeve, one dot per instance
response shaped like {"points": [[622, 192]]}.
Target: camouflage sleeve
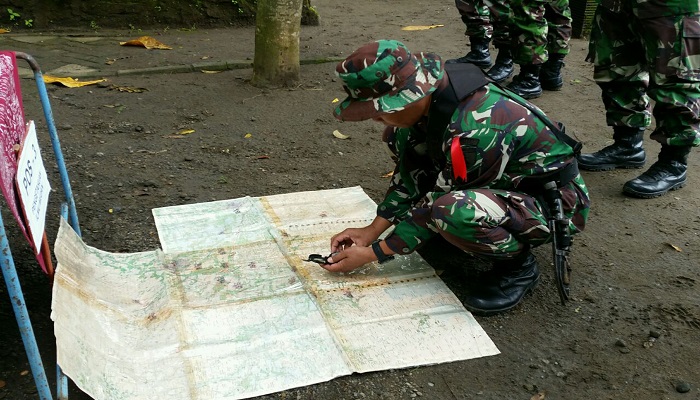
{"points": [[485, 155], [416, 229], [414, 174]]}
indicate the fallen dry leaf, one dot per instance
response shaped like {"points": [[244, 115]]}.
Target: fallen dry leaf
{"points": [[388, 174], [70, 82], [110, 61], [184, 132], [335, 100], [206, 71], [24, 373], [420, 27], [4, 31], [539, 396], [248, 136], [339, 135], [2, 384], [674, 247], [151, 152], [147, 42], [128, 89]]}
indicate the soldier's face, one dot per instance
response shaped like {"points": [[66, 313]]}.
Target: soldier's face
{"points": [[407, 117]]}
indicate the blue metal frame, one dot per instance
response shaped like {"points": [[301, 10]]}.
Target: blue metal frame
{"points": [[25, 327], [9, 271]]}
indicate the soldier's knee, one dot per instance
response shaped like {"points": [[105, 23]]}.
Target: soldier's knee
{"points": [[454, 209]]}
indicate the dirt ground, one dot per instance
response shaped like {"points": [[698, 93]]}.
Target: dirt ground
{"points": [[631, 330]]}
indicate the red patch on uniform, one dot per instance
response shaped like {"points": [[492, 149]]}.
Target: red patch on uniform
{"points": [[459, 166]]}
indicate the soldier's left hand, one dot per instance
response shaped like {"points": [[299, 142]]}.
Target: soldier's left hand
{"points": [[349, 259]]}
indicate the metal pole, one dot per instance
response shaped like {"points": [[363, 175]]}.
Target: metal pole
{"points": [[61, 378], [25, 326], [48, 115]]}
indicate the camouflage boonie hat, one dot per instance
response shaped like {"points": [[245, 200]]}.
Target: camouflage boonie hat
{"points": [[383, 77]]}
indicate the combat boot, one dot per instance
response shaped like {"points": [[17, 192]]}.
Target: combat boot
{"points": [[527, 83], [504, 286], [550, 74], [626, 152], [668, 173], [503, 67], [478, 54]]}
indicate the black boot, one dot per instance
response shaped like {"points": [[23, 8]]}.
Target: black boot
{"points": [[668, 173], [478, 55], [527, 83], [550, 74], [505, 286], [626, 152], [503, 67]]}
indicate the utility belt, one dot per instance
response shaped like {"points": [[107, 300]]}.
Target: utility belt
{"points": [[534, 185]]}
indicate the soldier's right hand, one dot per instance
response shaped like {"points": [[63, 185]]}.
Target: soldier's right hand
{"points": [[353, 236]]}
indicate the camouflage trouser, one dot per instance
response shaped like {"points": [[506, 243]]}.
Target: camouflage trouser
{"points": [[658, 57], [486, 19], [539, 27], [501, 223]]}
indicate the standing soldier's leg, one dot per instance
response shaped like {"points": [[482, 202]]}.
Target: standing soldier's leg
{"points": [[529, 37], [558, 15], [475, 16], [675, 88], [500, 19], [620, 71]]}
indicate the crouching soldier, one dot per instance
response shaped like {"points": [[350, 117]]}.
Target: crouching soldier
{"points": [[475, 164]]}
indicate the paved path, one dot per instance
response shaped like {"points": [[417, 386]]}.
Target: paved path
{"points": [[89, 54]]}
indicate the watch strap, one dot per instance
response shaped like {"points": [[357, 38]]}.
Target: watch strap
{"points": [[381, 257]]}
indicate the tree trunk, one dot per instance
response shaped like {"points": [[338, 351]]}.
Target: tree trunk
{"points": [[277, 26]]}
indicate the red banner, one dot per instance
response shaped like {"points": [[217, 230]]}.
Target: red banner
{"points": [[12, 129]]}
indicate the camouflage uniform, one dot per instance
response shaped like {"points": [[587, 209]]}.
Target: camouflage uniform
{"points": [[486, 19], [476, 18], [463, 169], [502, 142], [652, 48], [540, 27]]}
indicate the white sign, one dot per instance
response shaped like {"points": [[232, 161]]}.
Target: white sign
{"points": [[33, 185]]}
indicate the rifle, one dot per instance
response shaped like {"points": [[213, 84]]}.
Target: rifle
{"points": [[561, 239], [556, 220]]}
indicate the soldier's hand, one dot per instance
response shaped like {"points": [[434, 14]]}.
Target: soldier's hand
{"points": [[353, 237], [350, 259]]}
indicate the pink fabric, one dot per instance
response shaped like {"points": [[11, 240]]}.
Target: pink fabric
{"points": [[12, 130]]}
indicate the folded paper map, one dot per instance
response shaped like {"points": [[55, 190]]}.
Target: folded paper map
{"points": [[228, 309]]}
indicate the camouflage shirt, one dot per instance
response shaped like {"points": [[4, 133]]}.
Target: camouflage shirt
{"points": [[501, 143], [653, 8]]}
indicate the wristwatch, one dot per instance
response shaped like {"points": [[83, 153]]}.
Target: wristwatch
{"points": [[381, 257]]}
